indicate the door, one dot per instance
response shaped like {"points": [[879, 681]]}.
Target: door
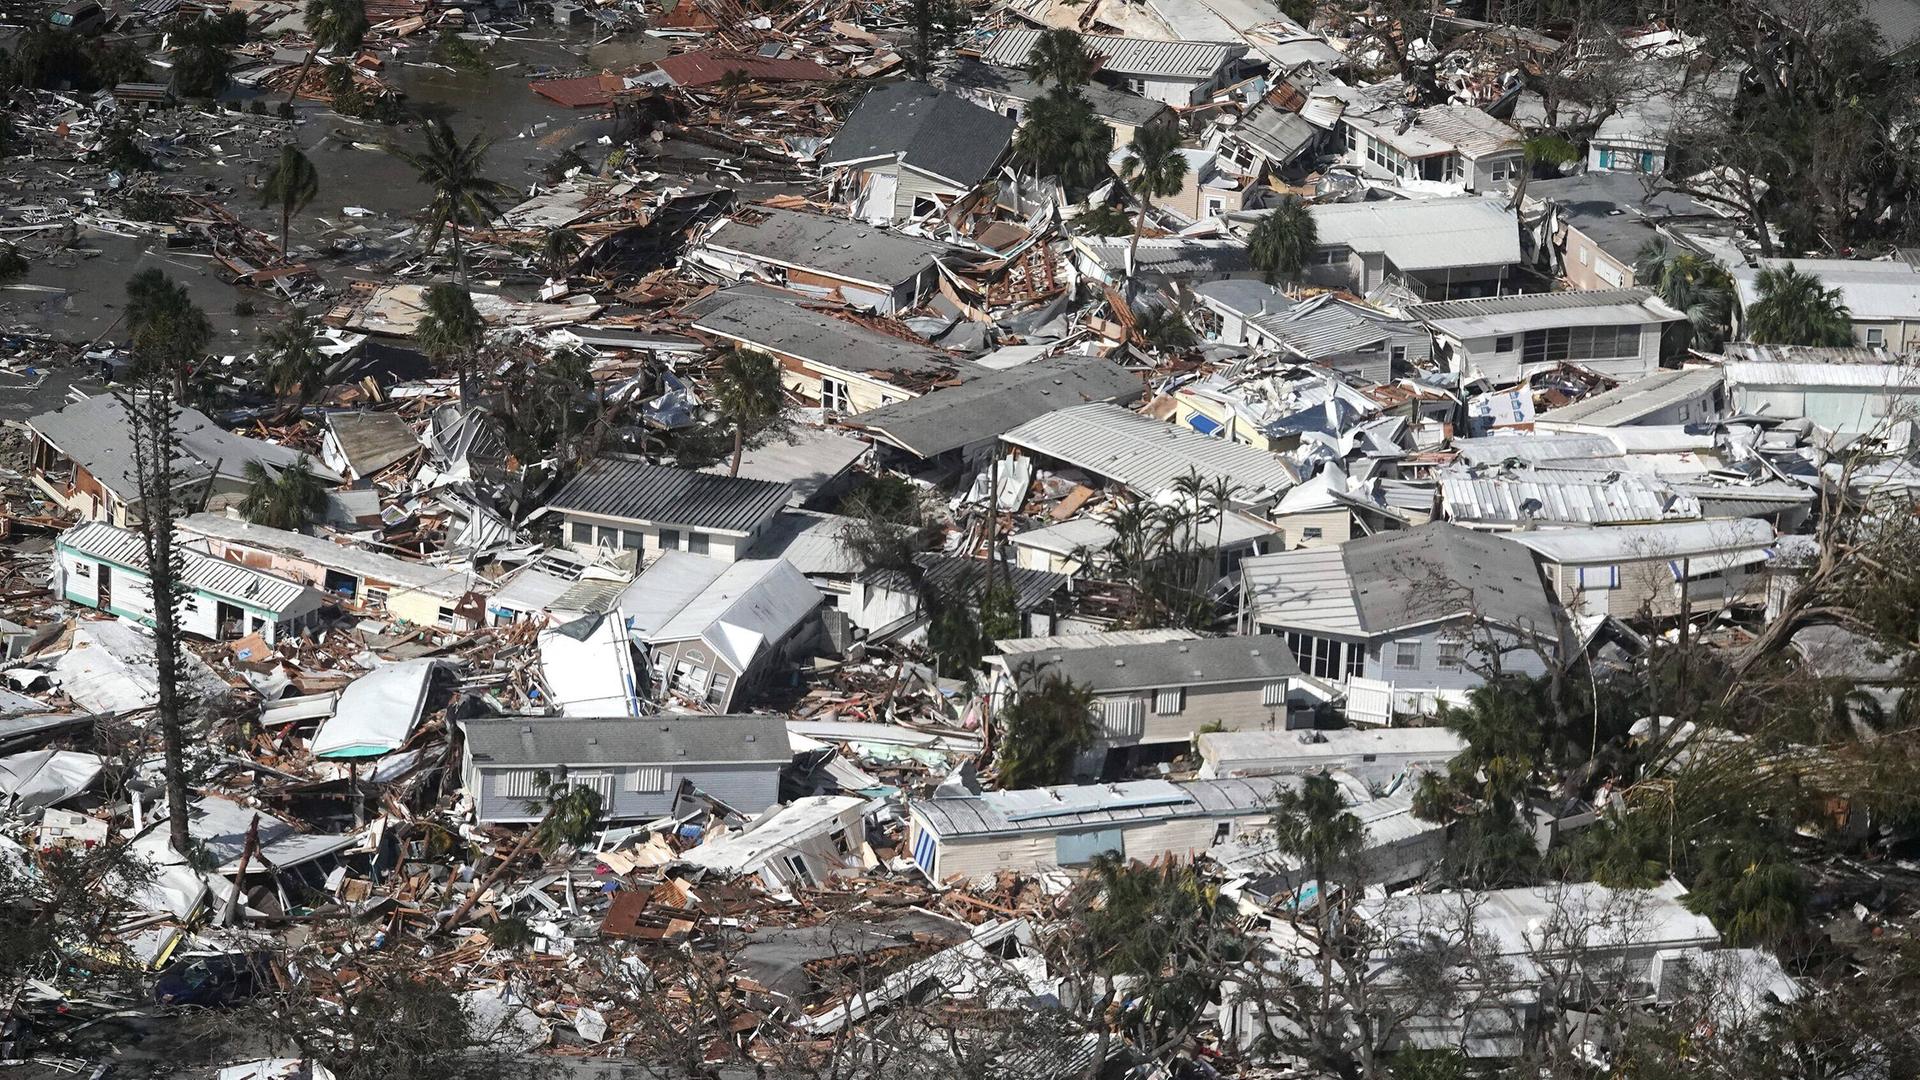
{"points": [[1079, 848], [106, 586], [229, 621]]}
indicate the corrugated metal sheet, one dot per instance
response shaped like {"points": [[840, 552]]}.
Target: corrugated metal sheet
{"points": [[1125, 55], [1642, 397], [1148, 455], [1077, 807], [200, 572], [1423, 234], [1630, 499], [1686, 539], [1896, 376], [639, 491], [1307, 589]]}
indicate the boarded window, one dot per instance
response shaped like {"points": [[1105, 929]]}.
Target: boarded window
{"points": [[1273, 694], [1122, 717], [647, 778], [1079, 848], [1170, 701], [519, 784]]}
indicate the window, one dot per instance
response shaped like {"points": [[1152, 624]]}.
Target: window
{"points": [[1122, 718], [1013, 113], [1876, 337], [1320, 657], [445, 618], [1170, 701], [1215, 207], [1406, 655], [1330, 256], [1451, 656], [689, 678], [1598, 577], [1312, 532], [1503, 344], [83, 569], [1585, 258], [669, 539], [1356, 661], [1398, 354], [375, 596], [519, 784], [922, 206], [582, 533], [1580, 343], [1273, 694], [1222, 831], [1504, 171], [717, 690], [647, 778], [1138, 86], [835, 397], [632, 539], [697, 542]]}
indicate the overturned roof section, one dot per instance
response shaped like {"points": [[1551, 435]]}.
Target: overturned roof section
{"points": [[664, 739], [1674, 540], [377, 711], [926, 129], [1517, 312], [1124, 55], [1638, 399], [990, 405], [737, 612], [371, 441], [850, 250], [1149, 456], [631, 490], [1422, 234]]}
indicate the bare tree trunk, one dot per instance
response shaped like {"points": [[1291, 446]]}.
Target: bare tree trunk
{"points": [[286, 232], [239, 878], [480, 888], [301, 79], [150, 412], [739, 444]]}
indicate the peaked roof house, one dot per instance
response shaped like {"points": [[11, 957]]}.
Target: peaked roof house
{"points": [[813, 253], [1179, 73], [628, 504], [1263, 141], [1595, 225], [908, 150], [1147, 455], [105, 567], [969, 417], [713, 630], [1422, 611], [1616, 332], [81, 456]]}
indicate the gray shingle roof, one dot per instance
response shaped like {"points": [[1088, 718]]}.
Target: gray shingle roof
{"points": [[1438, 571], [1125, 55], [931, 130], [95, 433], [850, 250], [639, 491], [782, 325], [958, 576], [628, 740], [996, 403], [1109, 104], [1201, 662]]}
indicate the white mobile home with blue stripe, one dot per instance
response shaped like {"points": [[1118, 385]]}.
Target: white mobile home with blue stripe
{"points": [[1067, 826]]}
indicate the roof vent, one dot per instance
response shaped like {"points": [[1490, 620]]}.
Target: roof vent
{"points": [[1183, 646], [682, 752], [1119, 663], [1253, 652], [752, 737], [593, 740], [526, 729], [663, 727]]}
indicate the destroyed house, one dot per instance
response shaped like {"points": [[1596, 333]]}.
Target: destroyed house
{"points": [[1179, 73], [908, 150], [847, 367], [81, 456], [1347, 337], [1066, 826], [1448, 146], [1424, 608], [627, 504], [359, 444], [1502, 339], [637, 765], [414, 592], [104, 567], [1598, 223], [1373, 754], [1264, 141], [1148, 456], [812, 253], [714, 631], [1645, 571], [800, 843], [1853, 391], [1010, 91], [969, 417], [1437, 248], [1156, 695], [1667, 397]]}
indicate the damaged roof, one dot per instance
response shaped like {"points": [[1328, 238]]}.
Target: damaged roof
{"points": [[1422, 234], [1131, 802], [836, 247], [1199, 662], [781, 324], [633, 490], [930, 130], [97, 435], [1122, 55], [992, 404], [1116, 106], [1148, 455]]}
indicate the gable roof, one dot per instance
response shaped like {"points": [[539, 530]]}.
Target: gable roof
{"points": [[931, 130], [641, 491], [1148, 455], [1280, 134], [1200, 662], [1422, 234], [1124, 55], [199, 571], [991, 404], [669, 739], [96, 434], [836, 247], [1489, 315], [781, 324]]}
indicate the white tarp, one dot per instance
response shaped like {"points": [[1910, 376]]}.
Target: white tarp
{"points": [[43, 778], [377, 711]]}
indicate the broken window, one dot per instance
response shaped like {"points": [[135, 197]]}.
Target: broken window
{"points": [[717, 690], [835, 396]]}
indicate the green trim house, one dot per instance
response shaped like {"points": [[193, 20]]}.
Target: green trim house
{"points": [[104, 567]]}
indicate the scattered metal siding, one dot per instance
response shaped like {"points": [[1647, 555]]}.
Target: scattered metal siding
{"points": [[1148, 455], [1631, 499], [639, 491]]}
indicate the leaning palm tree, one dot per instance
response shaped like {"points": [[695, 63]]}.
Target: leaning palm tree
{"points": [[1060, 58], [745, 390], [293, 183], [334, 24], [567, 812], [1154, 168], [288, 499], [733, 82], [451, 331], [462, 193], [293, 360], [1794, 308], [1283, 241], [1691, 284]]}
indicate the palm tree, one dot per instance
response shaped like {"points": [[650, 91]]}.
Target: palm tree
{"points": [[1692, 284], [1154, 168], [334, 24], [567, 816], [1313, 825], [732, 83], [561, 249], [287, 500], [1796, 309], [1060, 57], [1060, 136], [1283, 241], [451, 330], [293, 183], [1545, 148], [293, 361], [746, 392], [462, 193]]}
